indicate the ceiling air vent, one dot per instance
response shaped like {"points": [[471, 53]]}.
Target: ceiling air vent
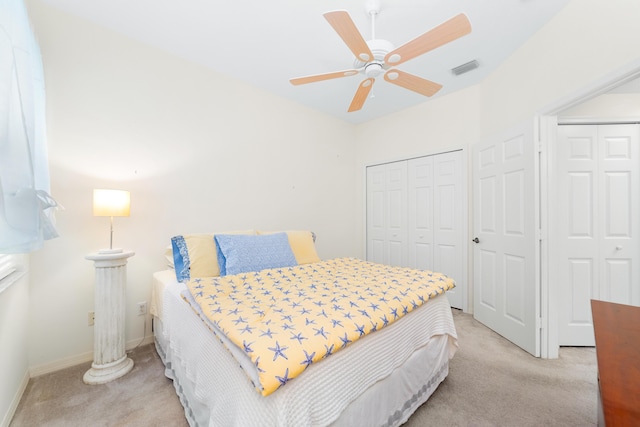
{"points": [[465, 68]]}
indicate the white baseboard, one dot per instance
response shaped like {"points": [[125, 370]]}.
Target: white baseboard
{"points": [[16, 401], [67, 362]]}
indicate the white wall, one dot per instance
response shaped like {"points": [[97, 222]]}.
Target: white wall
{"points": [[199, 152], [586, 41], [609, 105], [14, 344]]}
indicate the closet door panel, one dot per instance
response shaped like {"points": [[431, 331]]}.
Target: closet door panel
{"points": [[447, 224], [420, 211], [387, 213], [376, 206], [396, 212]]}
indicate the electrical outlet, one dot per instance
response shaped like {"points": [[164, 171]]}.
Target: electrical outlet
{"points": [[92, 318], [142, 308]]}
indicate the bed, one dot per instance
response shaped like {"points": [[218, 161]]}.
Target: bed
{"points": [[379, 379]]}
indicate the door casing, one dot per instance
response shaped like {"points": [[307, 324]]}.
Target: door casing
{"points": [[548, 120]]}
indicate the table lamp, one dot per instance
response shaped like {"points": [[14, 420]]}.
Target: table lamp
{"points": [[111, 203]]}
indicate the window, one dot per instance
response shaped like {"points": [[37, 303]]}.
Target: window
{"points": [[26, 208]]}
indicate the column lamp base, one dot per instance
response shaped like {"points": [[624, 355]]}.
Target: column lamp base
{"points": [[101, 374]]}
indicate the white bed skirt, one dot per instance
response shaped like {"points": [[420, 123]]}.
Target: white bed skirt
{"points": [[339, 391]]}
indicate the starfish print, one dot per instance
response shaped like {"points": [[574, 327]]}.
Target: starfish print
{"points": [[285, 379], [298, 337], [267, 333], [321, 331], [278, 351], [329, 351], [385, 322], [246, 329], [308, 359], [239, 320], [345, 340]]}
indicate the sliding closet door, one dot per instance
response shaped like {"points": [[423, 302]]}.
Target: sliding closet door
{"points": [[435, 207], [448, 235], [420, 201], [415, 217], [387, 213]]}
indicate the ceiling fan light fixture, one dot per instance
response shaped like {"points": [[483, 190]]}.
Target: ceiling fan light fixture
{"points": [[373, 69]]}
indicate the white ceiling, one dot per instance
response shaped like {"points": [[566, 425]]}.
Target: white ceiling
{"points": [[264, 43]]}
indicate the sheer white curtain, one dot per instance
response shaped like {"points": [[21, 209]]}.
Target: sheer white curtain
{"points": [[7, 266], [25, 204]]}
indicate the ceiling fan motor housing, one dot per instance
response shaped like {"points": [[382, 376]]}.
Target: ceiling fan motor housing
{"points": [[375, 67]]}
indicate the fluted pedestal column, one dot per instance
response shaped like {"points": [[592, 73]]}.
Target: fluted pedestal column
{"points": [[110, 360]]}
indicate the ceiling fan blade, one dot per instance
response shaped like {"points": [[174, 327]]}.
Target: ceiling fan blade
{"points": [[361, 94], [347, 30], [319, 77], [444, 33], [411, 82]]}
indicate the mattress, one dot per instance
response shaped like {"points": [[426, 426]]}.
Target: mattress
{"points": [[372, 382]]}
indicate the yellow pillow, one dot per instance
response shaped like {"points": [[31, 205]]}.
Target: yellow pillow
{"points": [[302, 245]]}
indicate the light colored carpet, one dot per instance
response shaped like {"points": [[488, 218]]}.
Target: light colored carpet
{"points": [[491, 383], [143, 397]]}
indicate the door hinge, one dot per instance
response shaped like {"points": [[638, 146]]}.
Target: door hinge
{"points": [[539, 235]]}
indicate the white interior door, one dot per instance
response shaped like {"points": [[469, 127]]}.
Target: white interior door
{"points": [[598, 223], [506, 280]]}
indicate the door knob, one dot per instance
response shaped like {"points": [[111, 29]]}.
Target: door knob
{"points": [[618, 248], [476, 240]]}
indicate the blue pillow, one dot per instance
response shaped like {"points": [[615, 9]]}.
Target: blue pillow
{"points": [[242, 253], [180, 258]]}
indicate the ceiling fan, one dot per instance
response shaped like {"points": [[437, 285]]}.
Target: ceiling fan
{"points": [[377, 56]]}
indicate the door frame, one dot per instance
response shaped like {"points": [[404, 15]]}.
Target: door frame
{"points": [[467, 292], [548, 116]]}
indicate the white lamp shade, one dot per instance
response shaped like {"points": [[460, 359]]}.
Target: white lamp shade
{"points": [[111, 203]]}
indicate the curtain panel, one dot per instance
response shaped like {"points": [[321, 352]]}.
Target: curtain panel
{"points": [[26, 208]]}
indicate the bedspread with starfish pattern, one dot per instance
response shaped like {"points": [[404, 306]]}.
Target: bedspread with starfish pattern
{"points": [[285, 319]]}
